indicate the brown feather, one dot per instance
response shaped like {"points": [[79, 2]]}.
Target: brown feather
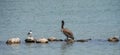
{"points": [[67, 33]]}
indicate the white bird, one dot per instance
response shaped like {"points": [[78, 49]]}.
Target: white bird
{"points": [[30, 33]]}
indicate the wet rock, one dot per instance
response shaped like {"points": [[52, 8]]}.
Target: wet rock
{"points": [[13, 41], [69, 40], [82, 40], [42, 40], [54, 39], [30, 40], [113, 39]]}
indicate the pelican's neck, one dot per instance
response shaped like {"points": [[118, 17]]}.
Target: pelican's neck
{"points": [[62, 26]]}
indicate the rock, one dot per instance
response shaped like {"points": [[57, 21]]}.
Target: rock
{"points": [[30, 40], [42, 40], [13, 41], [52, 39], [58, 40], [83, 40], [69, 40], [113, 39]]}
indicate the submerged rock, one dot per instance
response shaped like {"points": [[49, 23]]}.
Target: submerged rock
{"points": [[82, 40]]}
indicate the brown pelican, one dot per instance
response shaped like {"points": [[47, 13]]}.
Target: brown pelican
{"points": [[66, 31]]}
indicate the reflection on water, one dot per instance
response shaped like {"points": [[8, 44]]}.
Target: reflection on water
{"points": [[13, 45], [65, 47], [29, 44]]}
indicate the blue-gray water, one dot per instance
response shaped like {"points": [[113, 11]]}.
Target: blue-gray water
{"points": [[95, 19]]}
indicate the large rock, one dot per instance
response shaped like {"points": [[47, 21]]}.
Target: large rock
{"points": [[13, 41]]}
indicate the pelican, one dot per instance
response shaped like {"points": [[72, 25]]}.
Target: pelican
{"points": [[66, 31]]}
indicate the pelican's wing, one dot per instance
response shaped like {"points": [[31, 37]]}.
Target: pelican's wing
{"points": [[67, 32]]}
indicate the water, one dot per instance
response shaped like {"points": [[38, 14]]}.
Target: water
{"points": [[95, 19]]}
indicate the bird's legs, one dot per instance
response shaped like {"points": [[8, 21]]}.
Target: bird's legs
{"points": [[67, 38]]}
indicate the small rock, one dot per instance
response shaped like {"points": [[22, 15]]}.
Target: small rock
{"points": [[83, 40], [69, 40], [30, 40], [52, 39], [113, 39], [42, 40]]}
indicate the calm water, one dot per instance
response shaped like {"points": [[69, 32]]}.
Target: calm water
{"points": [[95, 19]]}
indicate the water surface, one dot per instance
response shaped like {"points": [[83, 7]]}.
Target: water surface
{"points": [[95, 19]]}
